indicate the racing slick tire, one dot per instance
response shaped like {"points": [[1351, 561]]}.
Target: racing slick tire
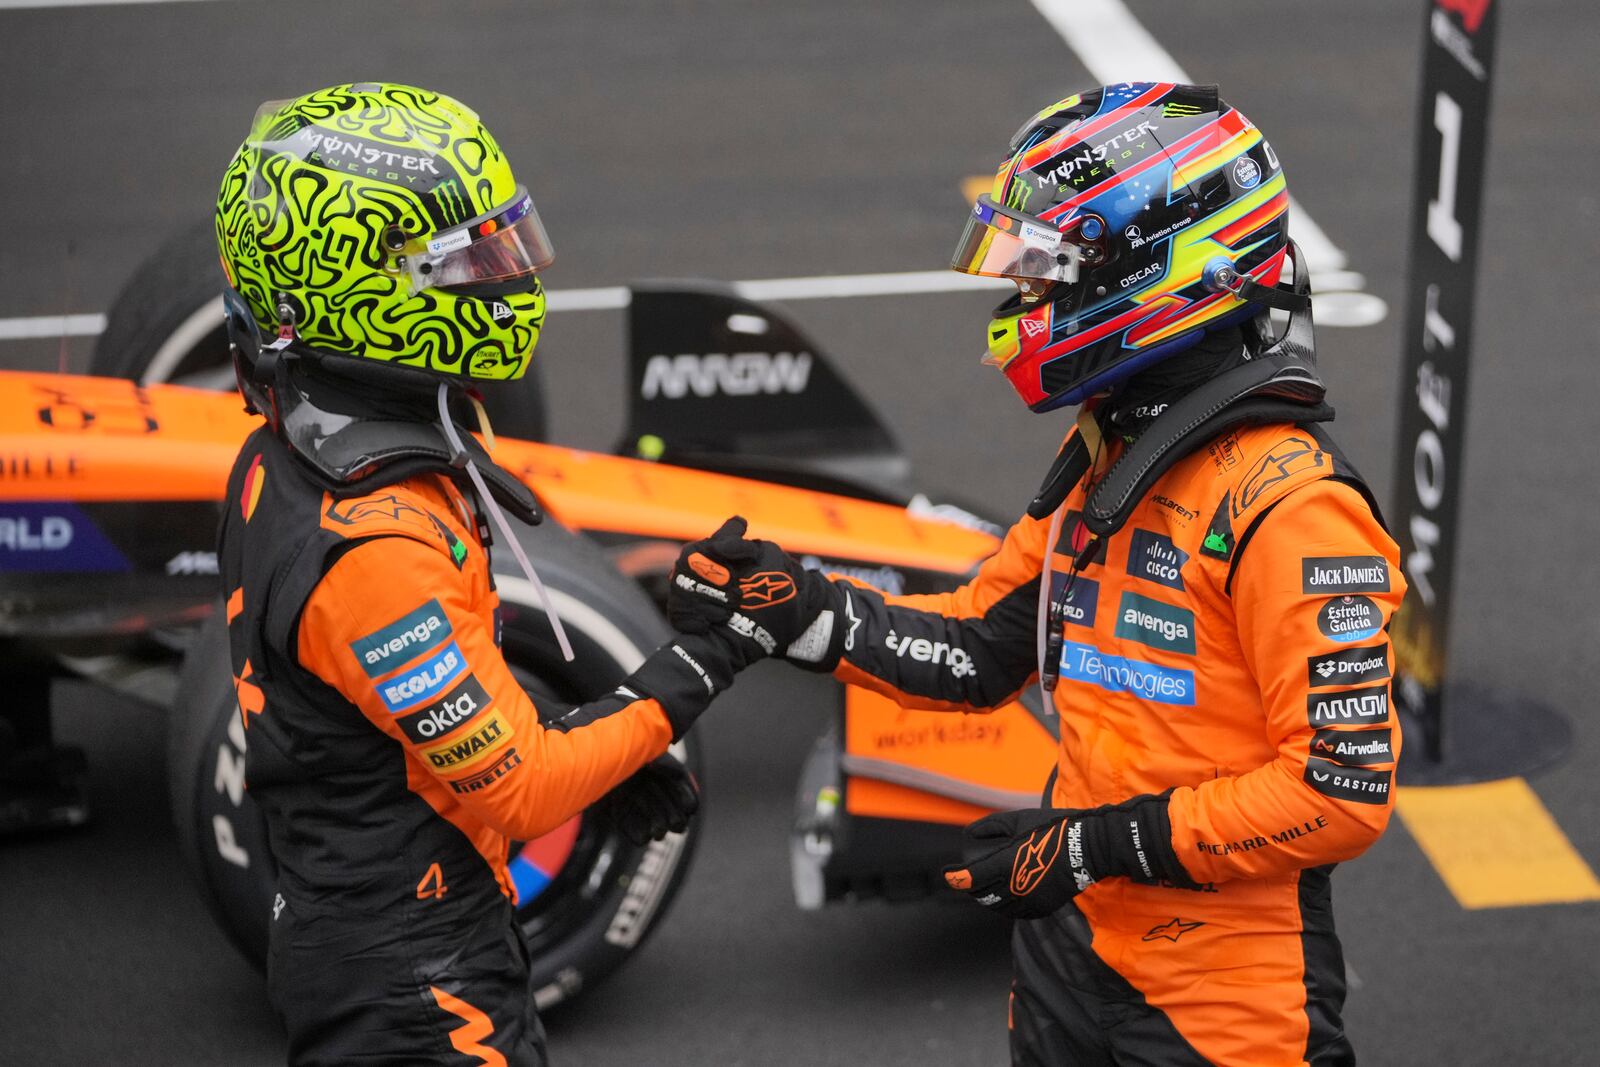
{"points": [[588, 897], [165, 326]]}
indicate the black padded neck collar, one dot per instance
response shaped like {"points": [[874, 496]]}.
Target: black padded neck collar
{"points": [[1279, 383]]}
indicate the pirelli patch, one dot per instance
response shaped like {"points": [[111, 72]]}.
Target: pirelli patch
{"points": [[1348, 783], [1354, 748], [486, 777], [488, 735]]}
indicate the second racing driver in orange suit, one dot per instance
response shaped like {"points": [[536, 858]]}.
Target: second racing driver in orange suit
{"points": [[1202, 589], [382, 260]]}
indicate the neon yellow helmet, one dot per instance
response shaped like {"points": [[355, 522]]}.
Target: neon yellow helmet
{"points": [[382, 222]]}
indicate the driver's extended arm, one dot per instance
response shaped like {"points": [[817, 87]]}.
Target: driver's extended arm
{"points": [[392, 626], [969, 649]]}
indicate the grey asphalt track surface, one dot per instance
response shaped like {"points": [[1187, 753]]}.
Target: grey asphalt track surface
{"points": [[734, 140]]}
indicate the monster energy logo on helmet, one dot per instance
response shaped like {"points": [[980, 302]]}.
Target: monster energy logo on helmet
{"points": [[385, 157], [450, 203]]}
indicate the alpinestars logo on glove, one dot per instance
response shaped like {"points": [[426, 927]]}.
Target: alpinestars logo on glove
{"points": [[765, 589], [1034, 859]]}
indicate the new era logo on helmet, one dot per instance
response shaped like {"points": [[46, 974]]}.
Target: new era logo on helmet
{"points": [[1033, 327], [499, 311], [765, 589]]}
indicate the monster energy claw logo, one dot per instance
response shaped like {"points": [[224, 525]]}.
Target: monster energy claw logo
{"points": [[1017, 196], [452, 202]]}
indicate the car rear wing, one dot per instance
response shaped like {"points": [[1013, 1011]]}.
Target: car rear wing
{"points": [[721, 383]]}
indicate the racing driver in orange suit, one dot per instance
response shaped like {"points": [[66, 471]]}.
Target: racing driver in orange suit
{"points": [[382, 260], [1201, 589]]}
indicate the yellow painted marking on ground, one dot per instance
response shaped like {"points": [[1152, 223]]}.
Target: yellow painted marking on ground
{"points": [[976, 186], [1495, 844]]}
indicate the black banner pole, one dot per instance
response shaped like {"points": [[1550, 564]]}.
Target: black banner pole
{"points": [[1452, 127]]}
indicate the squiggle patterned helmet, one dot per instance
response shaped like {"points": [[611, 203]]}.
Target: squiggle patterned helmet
{"points": [[386, 223], [1133, 218]]}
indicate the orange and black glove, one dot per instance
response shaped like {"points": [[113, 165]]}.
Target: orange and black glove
{"points": [[755, 589], [1028, 863]]}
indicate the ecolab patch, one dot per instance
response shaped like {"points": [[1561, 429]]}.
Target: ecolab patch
{"points": [[410, 635], [456, 708], [1348, 783], [489, 735], [423, 680]]}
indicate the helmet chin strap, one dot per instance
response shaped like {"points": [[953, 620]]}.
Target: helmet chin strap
{"points": [[459, 457]]}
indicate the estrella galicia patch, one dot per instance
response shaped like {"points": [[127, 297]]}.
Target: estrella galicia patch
{"points": [[423, 680], [1353, 748], [1287, 458], [1159, 625], [1348, 666], [1155, 558], [489, 775], [488, 735], [457, 707], [1344, 574], [1079, 607], [1116, 674], [1351, 707], [410, 635], [1348, 783], [1349, 618]]}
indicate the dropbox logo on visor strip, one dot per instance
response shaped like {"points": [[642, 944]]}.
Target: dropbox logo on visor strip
{"points": [[1162, 685]]}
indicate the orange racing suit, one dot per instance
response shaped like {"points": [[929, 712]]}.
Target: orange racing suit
{"points": [[1227, 644], [394, 756]]}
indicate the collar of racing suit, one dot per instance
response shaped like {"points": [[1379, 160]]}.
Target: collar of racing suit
{"points": [[1265, 379], [354, 436]]}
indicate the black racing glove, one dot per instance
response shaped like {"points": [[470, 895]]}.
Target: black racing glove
{"points": [[759, 592], [657, 799], [1029, 863]]}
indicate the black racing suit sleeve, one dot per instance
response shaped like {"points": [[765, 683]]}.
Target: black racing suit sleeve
{"points": [[969, 649]]}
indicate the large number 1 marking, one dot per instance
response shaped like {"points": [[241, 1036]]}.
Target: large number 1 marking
{"points": [[1443, 226]]}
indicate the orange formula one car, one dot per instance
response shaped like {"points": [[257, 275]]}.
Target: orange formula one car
{"points": [[109, 494]]}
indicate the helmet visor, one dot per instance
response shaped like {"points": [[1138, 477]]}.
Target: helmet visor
{"points": [[1001, 243], [507, 243]]}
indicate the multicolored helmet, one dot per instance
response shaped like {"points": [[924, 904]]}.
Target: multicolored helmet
{"points": [[1132, 218], [382, 222]]}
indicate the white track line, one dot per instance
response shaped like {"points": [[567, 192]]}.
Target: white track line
{"points": [[612, 297], [13, 5], [51, 326], [1109, 41], [1116, 47]]}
